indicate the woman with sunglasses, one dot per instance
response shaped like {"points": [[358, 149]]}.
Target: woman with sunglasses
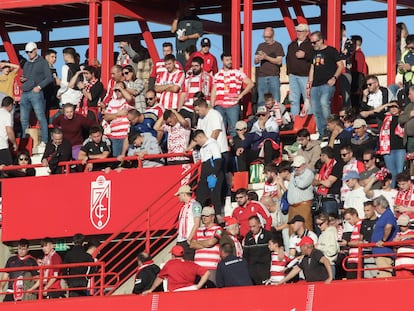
{"points": [[328, 240], [23, 158], [135, 87]]}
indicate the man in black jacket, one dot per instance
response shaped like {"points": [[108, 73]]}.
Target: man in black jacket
{"points": [[147, 273], [256, 251], [77, 254]]}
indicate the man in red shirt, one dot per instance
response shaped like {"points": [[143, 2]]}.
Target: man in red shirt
{"points": [[210, 61], [247, 208], [180, 273], [51, 277]]}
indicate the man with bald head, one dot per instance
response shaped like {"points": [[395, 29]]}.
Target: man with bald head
{"points": [[268, 56]]}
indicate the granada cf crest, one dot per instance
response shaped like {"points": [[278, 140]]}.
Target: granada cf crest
{"points": [[100, 208]]}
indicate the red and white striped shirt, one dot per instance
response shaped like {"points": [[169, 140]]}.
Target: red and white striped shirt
{"points": [[405, 254], [159, 67], [169, 100], [186, 219], [207, 257], [157, 110], [228, 84], [270, 189], [193, 84], [355, 236], [405, 199], [277, 269], [237, 246], [120, 125]]}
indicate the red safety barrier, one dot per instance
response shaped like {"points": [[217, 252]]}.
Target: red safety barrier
{"points": [[96, 202], [98, 288], [360, 264]]}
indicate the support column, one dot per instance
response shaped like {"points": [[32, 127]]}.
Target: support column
{"points": [[226, 19], [93, 31], [333, 26], [235, 33], [391, 44], [287, 19], [45, 41], [149, 40], [247, 37], [107, 40], [8, 46]]}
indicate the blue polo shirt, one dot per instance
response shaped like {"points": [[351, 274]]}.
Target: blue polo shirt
{"points": [[147, 126], [386, 218]]}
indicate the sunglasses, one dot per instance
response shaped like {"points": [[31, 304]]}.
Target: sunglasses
{"points": [[24, 159], [149, 98], [344, 154], [117, 90], [365, 161], [314, 42], [126, 73], [369, 84], [261, 115], [28, 52], [241, 129]]}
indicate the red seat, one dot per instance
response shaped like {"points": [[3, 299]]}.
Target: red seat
{"points": [[307, 121], [24, 144]]}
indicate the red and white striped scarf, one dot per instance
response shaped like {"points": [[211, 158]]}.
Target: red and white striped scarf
{"points": [[385, 137], [324, 173]]}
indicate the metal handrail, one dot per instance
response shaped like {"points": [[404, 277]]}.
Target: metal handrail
{"points": [[360, 262], [100, 273], [112, 262], [68, 164]]}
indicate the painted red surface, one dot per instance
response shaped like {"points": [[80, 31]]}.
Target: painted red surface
{"points": [[60, 205], [339, 295]]}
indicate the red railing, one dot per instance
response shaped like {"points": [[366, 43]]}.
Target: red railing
{"points": [[360, 263], [97, 288], [121, 256]]}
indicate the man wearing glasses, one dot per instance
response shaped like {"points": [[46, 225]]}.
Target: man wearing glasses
{"points": [[373, 97], [36, 76], [325, 70], [269, 55], [406, 65], [298, 62]]}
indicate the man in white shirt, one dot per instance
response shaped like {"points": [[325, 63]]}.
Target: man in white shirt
{"points": [[356, 196], [6, 131]]}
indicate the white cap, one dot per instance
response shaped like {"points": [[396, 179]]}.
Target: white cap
{"points": [[30, 46]]}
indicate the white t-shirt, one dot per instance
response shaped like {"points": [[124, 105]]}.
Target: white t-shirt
{"points": [[5, 120], [210, 150], [356, 199], [214, 121]]}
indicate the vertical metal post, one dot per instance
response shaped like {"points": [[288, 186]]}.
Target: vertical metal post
{"points": [[391, 43], [235, 33], [93, 31], [107, 40]]}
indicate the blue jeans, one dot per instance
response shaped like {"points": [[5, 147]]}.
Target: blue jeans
{"points": [[297, 87], [329, 206], [269, 84], [230, 116], [116, 145], [321, 105], [36, 101], [395, 163]]}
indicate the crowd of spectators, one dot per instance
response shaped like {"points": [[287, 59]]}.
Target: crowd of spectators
{"points": [[311, 214]]}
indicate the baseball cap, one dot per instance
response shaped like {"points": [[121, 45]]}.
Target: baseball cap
{"points": [[30, 46], [205, 42], [298, 161], [305, 241], [230, 221], [184, 189], [296, 218], [403, 220], [351, 175], [240, 125], [177, 251], [207, 211], [302, 27], [261, 110], [358, 123]]}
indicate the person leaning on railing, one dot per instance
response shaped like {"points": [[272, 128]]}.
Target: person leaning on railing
{"points": [[23, 158]]}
